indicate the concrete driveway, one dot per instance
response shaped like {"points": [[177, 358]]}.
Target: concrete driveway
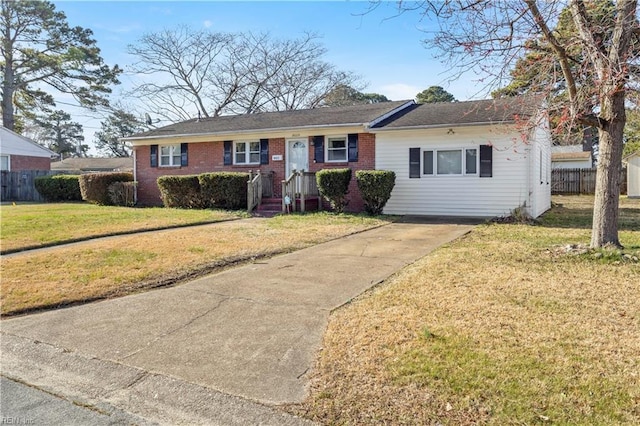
{"points": [[220, 349]]}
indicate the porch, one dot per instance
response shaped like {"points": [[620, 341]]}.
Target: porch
{"points": [[299, 193]]}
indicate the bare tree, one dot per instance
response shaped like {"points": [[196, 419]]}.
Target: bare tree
{"points": [[487, 37], [187, 72]]}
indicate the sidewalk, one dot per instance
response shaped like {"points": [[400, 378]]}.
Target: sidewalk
{"points": [[219, 349]]}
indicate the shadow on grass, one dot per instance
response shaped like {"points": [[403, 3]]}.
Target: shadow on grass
{"points": [[571, 217]]}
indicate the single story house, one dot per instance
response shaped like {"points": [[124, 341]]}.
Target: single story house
{"points": [[18, 153], [475, 158], [633, 174], [571, 157], [80, 165]]}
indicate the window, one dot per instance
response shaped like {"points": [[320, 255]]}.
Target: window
{"points": [[4, 162], [337, 149], [247, 152], [450, 162], [470, 161], [170, 155]]}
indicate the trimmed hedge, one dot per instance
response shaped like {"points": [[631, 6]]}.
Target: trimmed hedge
{"points": [[375, 187], [122, 194], [333, 185], [181, 192], [227, 190], [95, 186], [58, 188]]}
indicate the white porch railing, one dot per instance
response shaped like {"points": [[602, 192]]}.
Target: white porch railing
{"points": [[300, 185]]}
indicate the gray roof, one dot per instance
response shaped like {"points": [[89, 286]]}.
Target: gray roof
{"points": [[94, 164], [317, 117], [460, 113]]}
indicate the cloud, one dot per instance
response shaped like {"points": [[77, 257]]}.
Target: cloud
{"points": [[399, 91], [207, 23]]}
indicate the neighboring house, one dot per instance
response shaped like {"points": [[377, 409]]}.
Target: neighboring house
{"points": [[571, 157], [633, 174], [90, 165], [18, 153], [454, 159]]}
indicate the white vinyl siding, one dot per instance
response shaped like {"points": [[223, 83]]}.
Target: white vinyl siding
{"points": [[540, 182], [443, 195]]}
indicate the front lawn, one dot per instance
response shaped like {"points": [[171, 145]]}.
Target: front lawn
{"points": [[512, 324], [29, 225], [132, 263]]}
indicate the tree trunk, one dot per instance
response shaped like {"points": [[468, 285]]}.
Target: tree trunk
{"points": [[8, 87], [605, 207]]}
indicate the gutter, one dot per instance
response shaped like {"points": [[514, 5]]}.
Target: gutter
{"points": [[439, 126], [232, 133]]}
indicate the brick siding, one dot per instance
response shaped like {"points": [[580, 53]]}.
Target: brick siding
{"points": [[204, 157], [19, 163]]}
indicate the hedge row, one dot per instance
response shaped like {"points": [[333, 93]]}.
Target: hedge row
{"points": [[227, 190], [95, 186], [58, 188]]}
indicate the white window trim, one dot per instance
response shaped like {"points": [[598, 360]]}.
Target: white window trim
{"points": [[176, 149], [247, 152], [8, 162], [346, 148], [463, 161]]}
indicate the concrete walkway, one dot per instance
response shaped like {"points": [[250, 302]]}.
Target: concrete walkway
{"points": [[218, 350]]}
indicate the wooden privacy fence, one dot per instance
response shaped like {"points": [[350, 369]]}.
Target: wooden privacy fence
{"points": [[19, 186], [579, 181]]}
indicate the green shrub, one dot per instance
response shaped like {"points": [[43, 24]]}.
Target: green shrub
{"points": [[122, 193], [181, 192], [95, 186], [58, 188], [375, 187], [333, 185], [227, 190]]}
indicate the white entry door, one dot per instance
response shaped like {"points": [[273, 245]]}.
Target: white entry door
{"points": [[297, 155]]}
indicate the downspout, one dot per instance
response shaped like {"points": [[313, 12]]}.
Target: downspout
{"points": [[135, 176]]}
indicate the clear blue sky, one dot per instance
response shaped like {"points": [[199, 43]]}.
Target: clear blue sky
{"points": [[384, 49]]}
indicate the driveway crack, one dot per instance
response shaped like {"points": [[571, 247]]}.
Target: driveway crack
{"points": [[176, 329]]}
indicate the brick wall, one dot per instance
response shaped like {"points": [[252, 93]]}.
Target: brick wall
{"points": [[204, 157], [366, 161], [21, 162], [207, 157]]}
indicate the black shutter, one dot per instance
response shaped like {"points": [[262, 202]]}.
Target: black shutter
{"points": [[154, 156], [414, 162], [264, 151], [353, 147], [486, 161], [184, 154], [318, 149], [228, 145]]}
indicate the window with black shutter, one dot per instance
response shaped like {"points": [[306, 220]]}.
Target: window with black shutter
{"points": [[414, 162], [154, 155], [353, 147], [228, 145], [184, 154], [318, 149], [264, 151], [486, 161]]}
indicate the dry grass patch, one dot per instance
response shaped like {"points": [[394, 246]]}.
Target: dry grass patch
{"points": [[35, 225], [495, 328], [126, 264]]}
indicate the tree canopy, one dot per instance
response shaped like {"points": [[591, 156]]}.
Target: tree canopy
{"points": [[41, 51], [434, 94], [57, 132], [344, 95], [210, 73], [117, 125], [594, 65]]}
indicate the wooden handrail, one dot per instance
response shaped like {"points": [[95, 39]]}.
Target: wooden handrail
{"points": [[254, 191]]}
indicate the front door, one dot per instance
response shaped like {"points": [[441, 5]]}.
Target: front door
{"points": [[297, 155]]}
